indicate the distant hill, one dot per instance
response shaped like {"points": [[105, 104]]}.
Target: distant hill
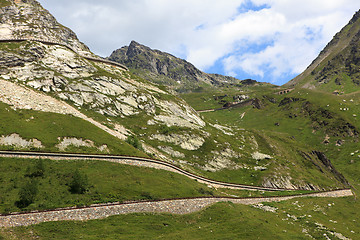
{"points": [[337, 68], [166, 69]]}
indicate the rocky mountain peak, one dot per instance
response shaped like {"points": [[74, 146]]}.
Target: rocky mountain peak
{"points": [[135, 49], [164, 68], [355, 17]]}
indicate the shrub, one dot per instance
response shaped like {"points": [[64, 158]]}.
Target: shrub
{"points": [[37, 171], [147, 196], [79, 183], [27, 194], [164, 129], [134, 141], [205, 192]]}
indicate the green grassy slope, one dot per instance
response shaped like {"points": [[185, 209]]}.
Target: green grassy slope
{"points": [[293, 219], [292, 124], [107, 182], [48, 127], [4, 3], [206, 98]]}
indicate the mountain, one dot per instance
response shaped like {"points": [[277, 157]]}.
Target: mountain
{"points": [[57, 96], [337, 67], [45, 68], [166, 69]]}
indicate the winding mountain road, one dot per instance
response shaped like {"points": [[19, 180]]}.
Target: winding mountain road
{"points": [[137, 161], [174, 206]]}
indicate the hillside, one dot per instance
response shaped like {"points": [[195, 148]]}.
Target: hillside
{"points": [[57, 96], [336, 69], [51, 77]]}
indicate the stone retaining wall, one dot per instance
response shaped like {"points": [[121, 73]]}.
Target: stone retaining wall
{"points": [[179, 206]]}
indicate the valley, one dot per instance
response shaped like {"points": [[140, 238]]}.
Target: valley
{"points": [[142, 144]]}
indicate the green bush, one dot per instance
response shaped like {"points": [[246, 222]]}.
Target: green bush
{"points": [[205, 192], [37, 171], [134, 141], [164, 129], [79, 183], [27, 194]]}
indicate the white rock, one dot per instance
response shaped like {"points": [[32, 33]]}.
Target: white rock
{"points": [[17, 141], [185, 141], [260, 156]]}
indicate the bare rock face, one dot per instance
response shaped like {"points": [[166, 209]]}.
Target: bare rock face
{"points": [[164, 68], [285, 182], [185, 141], [222, 160], [78, 142]]}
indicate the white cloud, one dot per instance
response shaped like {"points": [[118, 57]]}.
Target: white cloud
{"points": [[279, 40], [296, 41]]}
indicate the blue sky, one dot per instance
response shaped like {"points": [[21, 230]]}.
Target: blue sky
{"points": [[265, 40]]}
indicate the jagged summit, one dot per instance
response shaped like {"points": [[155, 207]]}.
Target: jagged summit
{"points": [[164, 68], [338, 65], [27, 19]]}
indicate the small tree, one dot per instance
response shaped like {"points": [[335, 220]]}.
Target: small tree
{"points": [[79, 183], [37, 170], [27, 194], [133, 140]]}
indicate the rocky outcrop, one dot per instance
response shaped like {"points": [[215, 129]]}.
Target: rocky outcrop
{"points": [[58, 70], [286, 182], [325, 165], [78, 142], [27, 18], [223, 160], [260, 156], [19, 97], [16, 141], [288, 100], [185, 141]]}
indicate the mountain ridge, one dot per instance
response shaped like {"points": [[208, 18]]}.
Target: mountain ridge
{"points": [[332, 67], [164, 68]]}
